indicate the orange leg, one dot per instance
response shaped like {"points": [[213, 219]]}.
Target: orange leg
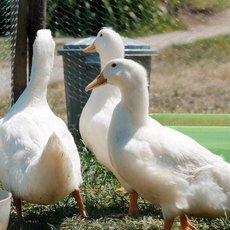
{"points": [[18, 206], [133, 203], [184, 223], [78, 198], [168, 223]]}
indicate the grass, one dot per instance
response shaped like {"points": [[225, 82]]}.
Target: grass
{"points": [[192, 77], [108, 210], [214, 5], [5, 48], [4, 105], [184, 79], [212, 50]]}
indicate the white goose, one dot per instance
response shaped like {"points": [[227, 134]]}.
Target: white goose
{"points": [[166, 167], [39, 159], [96, 115]]}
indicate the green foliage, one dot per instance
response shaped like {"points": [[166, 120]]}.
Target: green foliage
{"points": [[140, 17], [76, 18], [130, 17]]}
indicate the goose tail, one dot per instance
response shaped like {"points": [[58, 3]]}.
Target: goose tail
{"points": [[57, 161], [56, 177]]}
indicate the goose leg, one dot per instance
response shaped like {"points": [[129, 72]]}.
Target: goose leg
{"points": [[185, 224], [78, 198], [18, 205], [133, 203], [168, 223]]}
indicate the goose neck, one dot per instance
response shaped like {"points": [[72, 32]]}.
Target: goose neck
{"points": [[137, 103]]}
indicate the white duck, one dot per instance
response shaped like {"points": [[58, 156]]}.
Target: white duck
{"points": [[96, 115], [39, 159], [166, 167]]}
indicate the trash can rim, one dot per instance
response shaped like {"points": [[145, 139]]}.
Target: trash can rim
{"points": [[129, 43]]}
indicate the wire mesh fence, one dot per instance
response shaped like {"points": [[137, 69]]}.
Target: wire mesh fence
{"points": [[79, 19], [82, 18], [73, 20], [8, 24]]}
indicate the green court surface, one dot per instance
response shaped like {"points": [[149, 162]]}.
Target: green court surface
{"points": [[210, 130]]}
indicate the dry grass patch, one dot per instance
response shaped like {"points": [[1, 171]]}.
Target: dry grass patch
{"points": [[56, 99], [187, 79]]}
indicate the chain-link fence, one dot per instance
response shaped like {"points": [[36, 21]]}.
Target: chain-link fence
{"points": [[72, 20], [136, 17], [8, 24], [79, 19]]}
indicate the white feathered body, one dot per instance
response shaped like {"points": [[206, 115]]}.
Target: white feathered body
{"points": [[96, 114], [39, 159], [164, 166], [95, 120], [94, 125], [171, 170]]}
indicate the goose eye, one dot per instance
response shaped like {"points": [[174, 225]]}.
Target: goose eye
{"points": [[101, 35], [114, 65]]}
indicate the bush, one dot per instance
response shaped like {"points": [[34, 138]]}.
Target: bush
{"points": [[130, 17], [75, 18]]}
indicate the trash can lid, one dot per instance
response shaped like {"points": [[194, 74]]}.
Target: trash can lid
{"points": [[132, 46], [79, 43], [137, 47]]}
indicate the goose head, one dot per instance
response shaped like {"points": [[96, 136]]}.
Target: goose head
{"points": [[108, 44], [131, 78], [123, 73]]}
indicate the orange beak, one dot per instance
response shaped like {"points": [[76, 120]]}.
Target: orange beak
{"points": [[90, 49], [98, 81]]}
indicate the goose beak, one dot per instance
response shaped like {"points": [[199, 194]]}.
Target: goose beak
{"points": [[98, 81], [90, 49]]}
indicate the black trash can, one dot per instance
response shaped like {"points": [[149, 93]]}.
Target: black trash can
{"points": [[81, 68]]}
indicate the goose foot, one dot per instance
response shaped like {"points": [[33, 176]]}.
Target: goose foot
{"points": [[133, 203], [168, 223], [18, 205], [78, 198], [121, 190], [185, 224]]}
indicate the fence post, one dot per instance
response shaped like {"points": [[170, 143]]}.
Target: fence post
{"points": [[19, 73]]}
